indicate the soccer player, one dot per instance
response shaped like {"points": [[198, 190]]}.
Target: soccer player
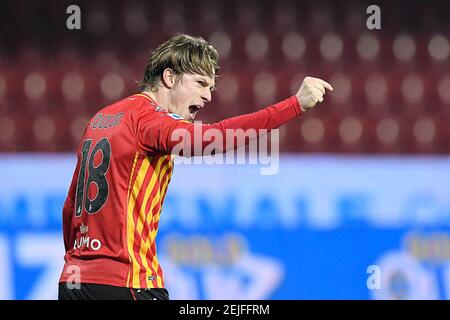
{"points": [[112, 210]]}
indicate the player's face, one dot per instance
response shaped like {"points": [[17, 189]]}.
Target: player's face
{"points": [[190, 93]]}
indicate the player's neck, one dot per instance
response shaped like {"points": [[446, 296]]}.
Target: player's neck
{"points": [[160, 98]]}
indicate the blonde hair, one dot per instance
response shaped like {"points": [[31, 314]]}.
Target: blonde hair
{"points": [[183, 54]]}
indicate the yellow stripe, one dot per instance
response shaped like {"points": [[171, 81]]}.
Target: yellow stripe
{"points": [[163, 193], [136, 155], [140, 224], [155, 218], [152, 237], [155, 263], [152, 234], [130, 223], [164, 190]]}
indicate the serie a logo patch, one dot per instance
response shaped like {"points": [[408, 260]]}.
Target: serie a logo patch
{"points": [[175, 116]]}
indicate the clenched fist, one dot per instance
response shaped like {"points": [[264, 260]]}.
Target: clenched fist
{"points": [[311, 91]]}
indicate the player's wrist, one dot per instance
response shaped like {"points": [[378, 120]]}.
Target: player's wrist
{"points": [[297, 105]]}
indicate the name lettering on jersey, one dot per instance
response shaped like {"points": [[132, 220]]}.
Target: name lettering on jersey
{"points": [[106, 121], [85, 241]]}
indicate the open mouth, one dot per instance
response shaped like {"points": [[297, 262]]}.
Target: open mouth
{"points": [[194, 109]]}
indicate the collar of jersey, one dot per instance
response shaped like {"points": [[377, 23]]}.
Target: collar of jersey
{"points": [[145, 95]]}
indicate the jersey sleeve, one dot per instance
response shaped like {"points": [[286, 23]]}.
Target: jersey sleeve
{"points": [[160, 133]]}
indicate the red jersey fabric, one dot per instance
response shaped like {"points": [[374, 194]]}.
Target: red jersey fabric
{"points": [[112, 210]]}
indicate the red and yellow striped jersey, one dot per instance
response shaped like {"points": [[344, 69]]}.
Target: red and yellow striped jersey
{"points": [[112, 210]]}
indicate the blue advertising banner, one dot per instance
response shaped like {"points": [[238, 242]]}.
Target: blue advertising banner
{"points": [[322, 227]]}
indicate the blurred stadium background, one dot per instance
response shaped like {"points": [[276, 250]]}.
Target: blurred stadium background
{"points": [[363, 189]]}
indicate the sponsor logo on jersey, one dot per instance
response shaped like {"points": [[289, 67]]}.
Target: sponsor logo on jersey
{"points": [[87, 242]]}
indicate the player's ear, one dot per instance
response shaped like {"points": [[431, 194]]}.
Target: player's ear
{"points": [[168, 78]]}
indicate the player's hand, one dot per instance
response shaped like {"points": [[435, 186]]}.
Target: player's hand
{"points": [[311, 91]]}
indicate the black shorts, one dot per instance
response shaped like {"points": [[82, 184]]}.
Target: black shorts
{"points": [[90, 291]]}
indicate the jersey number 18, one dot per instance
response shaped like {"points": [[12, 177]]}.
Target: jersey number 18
{"points": [[95, 174]]}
